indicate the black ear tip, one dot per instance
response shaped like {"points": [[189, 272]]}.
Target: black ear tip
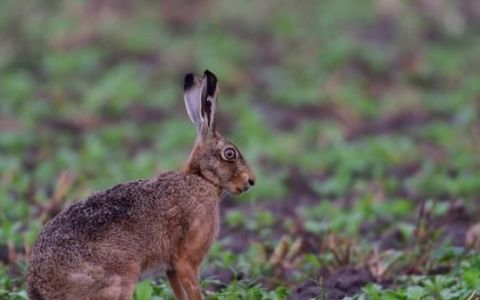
{"points": [[209, 74], [189, 81], [211, 82]]}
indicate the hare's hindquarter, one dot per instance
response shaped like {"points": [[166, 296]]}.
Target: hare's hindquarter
{"points": [[76, 253], [100, 246]]}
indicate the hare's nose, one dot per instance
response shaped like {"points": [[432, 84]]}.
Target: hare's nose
{"points": [[251, 181]]}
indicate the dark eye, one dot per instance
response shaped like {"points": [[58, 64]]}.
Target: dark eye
{"points": [[229, 154]]}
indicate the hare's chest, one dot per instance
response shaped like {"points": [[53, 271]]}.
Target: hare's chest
{"points": [[202, 232]]}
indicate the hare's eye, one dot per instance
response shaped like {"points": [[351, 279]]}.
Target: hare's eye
{"points": [[229, 154]]}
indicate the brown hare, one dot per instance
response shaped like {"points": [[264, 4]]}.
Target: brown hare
{"points": [[98, 248]]}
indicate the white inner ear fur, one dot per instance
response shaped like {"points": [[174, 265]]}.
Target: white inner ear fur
{"points": [[192, 103]]}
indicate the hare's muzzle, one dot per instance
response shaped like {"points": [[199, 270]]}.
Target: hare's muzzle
{"points": [[249, 181]]}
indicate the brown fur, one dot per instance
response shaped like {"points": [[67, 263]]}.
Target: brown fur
{"points": [[99, 248]]}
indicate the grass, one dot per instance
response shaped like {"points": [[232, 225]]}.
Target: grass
{"points": [[361, 120]]}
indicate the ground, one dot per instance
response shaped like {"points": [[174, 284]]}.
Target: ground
{"points": [[360, 118]]}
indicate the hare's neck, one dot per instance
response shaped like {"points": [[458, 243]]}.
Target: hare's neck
{"points": [[194, 166], [190, 167], [207, 175]]}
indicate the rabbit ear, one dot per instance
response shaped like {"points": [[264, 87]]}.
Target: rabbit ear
{"points": [[192, 87], [208, 103]]}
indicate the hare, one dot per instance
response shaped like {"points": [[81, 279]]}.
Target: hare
{"points": [[99, 247]]}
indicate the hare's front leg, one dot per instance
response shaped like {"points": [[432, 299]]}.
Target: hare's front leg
{"points": [[187, 275], [176, 285]]}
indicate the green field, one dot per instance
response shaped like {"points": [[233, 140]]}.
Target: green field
{"points": [[361, 120]]}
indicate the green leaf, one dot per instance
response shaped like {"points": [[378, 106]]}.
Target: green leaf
{"points": [[414, 292], [143, 291], [472, 278]]}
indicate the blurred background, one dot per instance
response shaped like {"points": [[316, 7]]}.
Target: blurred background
{"points": [[360, 118]]}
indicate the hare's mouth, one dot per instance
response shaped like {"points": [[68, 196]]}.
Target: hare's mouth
{"points": [[238, 188], [237, 191], [242, 190]]}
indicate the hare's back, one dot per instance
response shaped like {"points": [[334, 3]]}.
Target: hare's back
{"points": [[95, 215]]}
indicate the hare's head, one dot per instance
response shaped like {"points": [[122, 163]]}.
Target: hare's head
{"points": [[213, 157]]}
